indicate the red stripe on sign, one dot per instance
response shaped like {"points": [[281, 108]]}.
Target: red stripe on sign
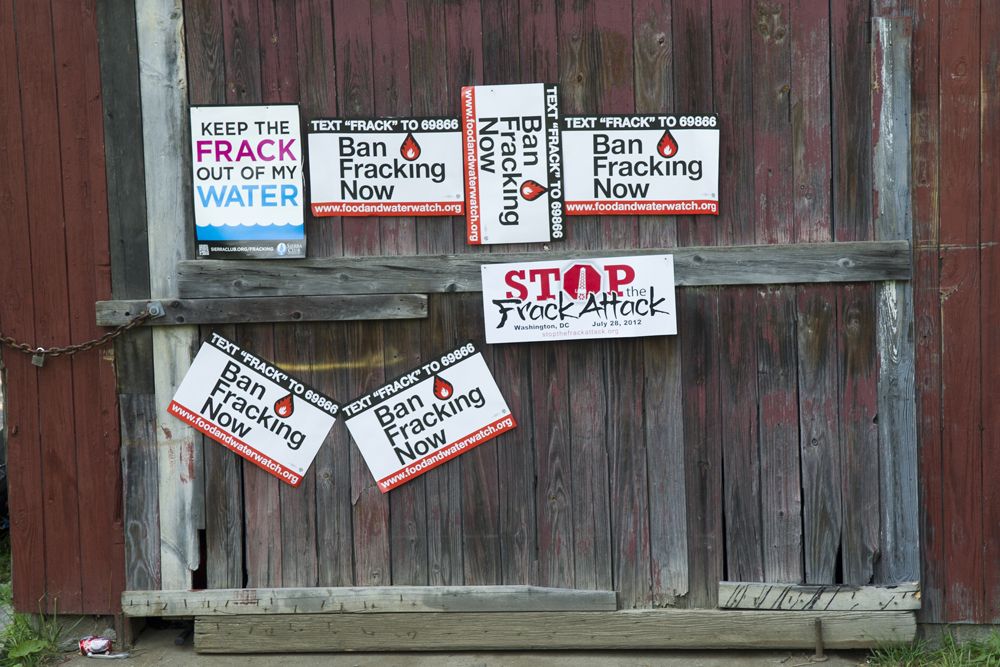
{"points": [[234, 444], [647, 206], [446, 453], [349, 209], [471, 148]]}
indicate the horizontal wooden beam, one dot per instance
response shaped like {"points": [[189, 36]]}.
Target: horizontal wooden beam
{"points": [[269, 309], [794, 597], [733, 265], [396, 599], [639, 629]]}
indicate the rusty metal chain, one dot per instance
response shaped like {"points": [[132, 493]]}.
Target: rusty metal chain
{"points": [[70, 350]]}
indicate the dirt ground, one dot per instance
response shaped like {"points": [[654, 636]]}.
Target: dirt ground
{"points": [[157, 647]]}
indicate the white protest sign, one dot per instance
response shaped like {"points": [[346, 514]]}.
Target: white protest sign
{"points": [[513, 163], [254, 408], [610, 297], [385, 167], [642, 165], [247, 169], [428, 416]]}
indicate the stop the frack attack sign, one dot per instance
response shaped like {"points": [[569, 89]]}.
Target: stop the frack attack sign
{"points": [[254, 408], [428, 416]]}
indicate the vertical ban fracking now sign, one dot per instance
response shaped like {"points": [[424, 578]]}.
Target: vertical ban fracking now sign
{"points": [[661, 164], [513, 163], [428, 416], [255, 409], [247, 171]]}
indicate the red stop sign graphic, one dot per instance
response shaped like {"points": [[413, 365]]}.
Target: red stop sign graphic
{"points": [[581, 280]]}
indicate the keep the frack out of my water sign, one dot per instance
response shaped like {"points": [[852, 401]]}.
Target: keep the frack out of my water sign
{"points": [[642, 165], [247, 168], [609, 297], [428, 416], [385, 167], [254, 408], [513, 163]]}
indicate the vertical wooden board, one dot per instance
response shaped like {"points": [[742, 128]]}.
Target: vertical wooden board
{"points": [[241, 36], [664, 439], [223, 505], [401, 339], [990, 274], [773, 177], [900, 559], [733, 83], [780, 483], [96, 427], [630, 540], [129, 257], [962, 465], [858, 434], [317, 87], [163, 86], [653, 56], [26, 506], [699, 340], [819, 433], [960, 140], [693, 93], [295, 350], [550, 393], [428, 77], [261, 495], [810, 119], [57, 473], [740, 436], [444, 483], [206, 46], [851, 135]]}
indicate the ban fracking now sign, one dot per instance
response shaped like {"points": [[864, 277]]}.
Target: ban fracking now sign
{"points": [[428, 416], [247, 169], [642, 165], [610, 297], [513, 163], [385, 167], [254, 408]]}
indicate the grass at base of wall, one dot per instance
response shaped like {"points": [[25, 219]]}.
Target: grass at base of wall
{"points": [[950, 653], [26, 640]]}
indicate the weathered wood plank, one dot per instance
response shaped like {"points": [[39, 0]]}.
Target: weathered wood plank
{"points": [[269, 309], [740, 595], [780, 483], [652, 629], [819, 432], [897, 425], [734, 265], [366, 600], [163, 85]]}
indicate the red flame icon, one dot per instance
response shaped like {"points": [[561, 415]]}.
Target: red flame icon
{"points": [[667, 147], [283, 406], [532, 190], [410, 149], [442, 388]]}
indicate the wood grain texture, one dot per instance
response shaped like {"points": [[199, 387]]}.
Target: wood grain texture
{"points": [[650, 629], [363, 600], [740, 595], [693, 266], [163, 86], [900, 557]]}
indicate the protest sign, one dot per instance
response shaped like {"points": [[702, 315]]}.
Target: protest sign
{"points": [[385, 167], [254, 408], [611, 297], [642, 165], [247, 169], [427, 417], [513, 163]]}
